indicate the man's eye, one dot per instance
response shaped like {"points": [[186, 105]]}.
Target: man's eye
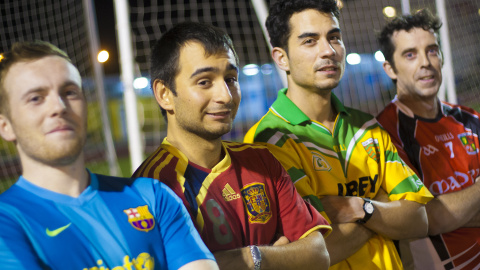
{"points": [[231, 80], [409, 55], [204, 82], [309, 41], [35, 99], [71, 93]]}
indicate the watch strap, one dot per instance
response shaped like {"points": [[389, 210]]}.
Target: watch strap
{"points": [[368, 215], [256, 256]]}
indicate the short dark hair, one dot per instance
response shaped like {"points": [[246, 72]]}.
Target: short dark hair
{"points": [[23, 52], [166, 52], [421, 19], [280, 12]]}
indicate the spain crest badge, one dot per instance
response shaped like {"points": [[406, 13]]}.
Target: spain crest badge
{"points": [[140, 218], [257, 203], [372, 148], [468, 142]]}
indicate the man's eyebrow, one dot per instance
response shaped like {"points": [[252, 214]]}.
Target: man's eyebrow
{"points": [[411, 49], [70, 83], [334, 31], [43, 89], [308, 34], [212, 69], [433, 45], [232, 67], [33, 90], [203, 70], [313, 34]]}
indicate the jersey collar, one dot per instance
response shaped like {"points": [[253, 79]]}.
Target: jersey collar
{"points": [[405, 110], [220, 167], [288, 111]]}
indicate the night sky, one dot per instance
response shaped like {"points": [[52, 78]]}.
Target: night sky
{"points": [[106, 29]]}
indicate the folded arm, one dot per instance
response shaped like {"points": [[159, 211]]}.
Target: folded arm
{"points": [[307, 253], [346, 239], [448, 212], [397, 220], [473, 222]]}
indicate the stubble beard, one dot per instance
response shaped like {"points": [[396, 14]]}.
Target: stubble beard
{"points": [[56, 155], [204, 132]]}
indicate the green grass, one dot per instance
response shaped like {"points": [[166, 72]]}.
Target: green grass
{"points": [[102, 167]]}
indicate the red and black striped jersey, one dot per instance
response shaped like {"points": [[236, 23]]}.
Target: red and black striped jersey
{"points": [[444, 151]]}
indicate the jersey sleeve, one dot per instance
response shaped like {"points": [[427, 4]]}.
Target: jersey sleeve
{"points": [[388, 119], [298, 218], [16, 250], [399, 180], [182, 241], [286, 152]]}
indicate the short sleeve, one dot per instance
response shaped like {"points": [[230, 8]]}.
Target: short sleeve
{"points": [[298, 218], [182, 241], [16, 251]]}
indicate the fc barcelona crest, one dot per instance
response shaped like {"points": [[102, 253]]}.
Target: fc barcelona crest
{"points": [[258, 205], [140, 218], [468, 142], [372, 148]]}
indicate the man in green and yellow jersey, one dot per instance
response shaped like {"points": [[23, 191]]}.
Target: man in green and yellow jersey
{"points": [[339, 158]]}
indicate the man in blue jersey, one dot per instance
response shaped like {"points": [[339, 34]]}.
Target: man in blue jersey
{"points": [[58, 215]]}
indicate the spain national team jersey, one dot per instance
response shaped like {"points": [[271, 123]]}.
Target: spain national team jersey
{"points": [[116, 223], [445, 153], [246, 199], [356, 159]]}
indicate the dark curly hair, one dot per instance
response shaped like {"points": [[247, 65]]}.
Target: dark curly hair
{"points": [[422, 19], [166, 52], [280, 12]]}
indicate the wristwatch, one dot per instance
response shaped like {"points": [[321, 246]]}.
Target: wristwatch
{"points": [[256, 256], [368, 209]]}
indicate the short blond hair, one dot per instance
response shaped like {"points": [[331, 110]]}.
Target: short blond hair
{"points": [[24, 52]]}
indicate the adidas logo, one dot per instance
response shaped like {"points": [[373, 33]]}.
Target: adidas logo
{"points": [[229, 194]]}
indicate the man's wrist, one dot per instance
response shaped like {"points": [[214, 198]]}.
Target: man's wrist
{"points": [[368, 210]]}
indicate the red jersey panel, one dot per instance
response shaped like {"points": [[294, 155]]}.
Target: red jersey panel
{"points": [[445, 153], [246, 199]]}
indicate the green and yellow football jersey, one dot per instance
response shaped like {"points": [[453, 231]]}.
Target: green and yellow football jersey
{"points": [[357, 158]]}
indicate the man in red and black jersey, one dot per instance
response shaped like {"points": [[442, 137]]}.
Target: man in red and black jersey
{"points": [[240, 198], [437, 139]]}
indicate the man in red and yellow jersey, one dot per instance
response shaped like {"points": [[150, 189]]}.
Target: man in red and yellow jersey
{"points": [[241, 199]]}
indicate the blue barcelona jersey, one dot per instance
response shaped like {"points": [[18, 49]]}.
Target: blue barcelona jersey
{"points": [[116, 223]]}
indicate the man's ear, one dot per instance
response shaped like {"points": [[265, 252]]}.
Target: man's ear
{"points": [[6, 129], [389, 70], [280, 57], [163, 95]]}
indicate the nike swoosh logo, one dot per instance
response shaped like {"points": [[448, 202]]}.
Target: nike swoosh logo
{"points": [[57, 231]]}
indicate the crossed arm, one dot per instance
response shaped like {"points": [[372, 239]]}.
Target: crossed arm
{"points": [[448, 212], [306, 253], [397, 220], [394, 219]]}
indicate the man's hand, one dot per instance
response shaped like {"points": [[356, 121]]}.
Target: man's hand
{"points": [[342, 209], [281, 241]]}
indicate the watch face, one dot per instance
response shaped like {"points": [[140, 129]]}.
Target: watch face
{"points": [[369, 208]]}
